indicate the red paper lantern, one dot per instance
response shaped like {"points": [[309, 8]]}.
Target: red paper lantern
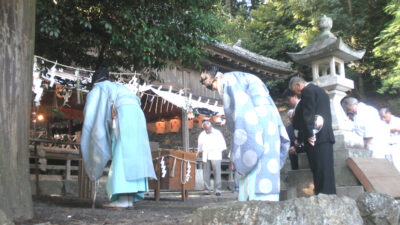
{"points": [[160, 127], [174, 125]]}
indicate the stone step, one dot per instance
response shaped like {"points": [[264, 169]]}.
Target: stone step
{"points": [[350, 191], [299, 183], [302, 159], [339, 160]]}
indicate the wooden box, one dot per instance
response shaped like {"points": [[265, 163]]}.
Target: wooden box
{"points": [[175, 175]]}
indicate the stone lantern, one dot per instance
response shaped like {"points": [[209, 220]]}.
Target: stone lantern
{"points": [[327, 56]]}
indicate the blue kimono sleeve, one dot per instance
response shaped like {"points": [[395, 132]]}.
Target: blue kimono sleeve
{"points": [[96, 139], [243, 121]]}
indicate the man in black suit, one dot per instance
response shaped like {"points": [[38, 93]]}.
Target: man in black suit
{"points": [[318, 145]]}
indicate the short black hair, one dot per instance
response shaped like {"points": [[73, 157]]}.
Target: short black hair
{"points": [[288, 93], [101, 74], [212, 70]]}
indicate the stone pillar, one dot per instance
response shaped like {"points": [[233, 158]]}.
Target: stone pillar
{"points": [[336, 86]]}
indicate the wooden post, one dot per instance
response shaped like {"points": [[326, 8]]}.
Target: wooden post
{"points": [[183, 178], [185, 125], [37, 170], [68, 169], [158, 174], [85, 186]]}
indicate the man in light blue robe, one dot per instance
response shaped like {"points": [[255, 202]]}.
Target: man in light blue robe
{"points": [[259, 141], [115, 128]]}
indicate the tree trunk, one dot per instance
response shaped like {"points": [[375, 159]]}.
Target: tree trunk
{"points": [[17, 30], [228, 5], [350, 7]]}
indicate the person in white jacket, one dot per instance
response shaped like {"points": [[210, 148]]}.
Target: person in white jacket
{"points": [[211, 143], [368, 124], [393, 126]]}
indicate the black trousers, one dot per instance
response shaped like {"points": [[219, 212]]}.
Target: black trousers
{"points": [[294, 161], [320, 158]]}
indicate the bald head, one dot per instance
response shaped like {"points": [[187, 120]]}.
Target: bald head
{"points": [[385, 114], [207, 126], [349, 105], [296, 84]]}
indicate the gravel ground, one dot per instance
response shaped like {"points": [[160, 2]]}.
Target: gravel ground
{"points": [[169, 210]]}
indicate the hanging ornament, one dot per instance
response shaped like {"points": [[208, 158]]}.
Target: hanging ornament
{"points": [[163, 167], [67, 95], [78, 88], [133, 85], [190, 115], [187, 177], [36, 84], [52, 74]]}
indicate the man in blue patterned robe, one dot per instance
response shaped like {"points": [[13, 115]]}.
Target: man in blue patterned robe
{"points": [[259, 142]]}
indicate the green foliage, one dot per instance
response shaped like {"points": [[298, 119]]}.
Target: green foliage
{"points": [[271, 32], [280, 26], [388, 50], [128, 34], [234, 26]]}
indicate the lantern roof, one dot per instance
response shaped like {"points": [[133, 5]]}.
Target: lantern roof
{"points": [[325, 45]]}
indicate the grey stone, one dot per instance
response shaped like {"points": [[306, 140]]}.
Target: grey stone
{"points": [[4, 220], [345, 139], [48, 185], [345, 177], [350, 191], [378, 209], [71, 187], [341, 155], [199, 181], [321, 209]]}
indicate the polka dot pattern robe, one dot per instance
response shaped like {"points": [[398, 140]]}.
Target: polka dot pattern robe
{"points": [[259, 138]]}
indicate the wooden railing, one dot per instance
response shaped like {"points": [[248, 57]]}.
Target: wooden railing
{"points": [[61, 150]]}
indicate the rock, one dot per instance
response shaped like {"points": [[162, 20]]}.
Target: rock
{"points": [[320, 209], [378, 208], [4, 220]]}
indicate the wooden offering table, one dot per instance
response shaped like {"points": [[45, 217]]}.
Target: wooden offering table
{"points": [[175, 170]]}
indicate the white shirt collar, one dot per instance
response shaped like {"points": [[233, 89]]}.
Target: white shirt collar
{"points": [[220, 86]]}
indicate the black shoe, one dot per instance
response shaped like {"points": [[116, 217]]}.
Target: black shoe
{"points": [[218, 194], [206, 193]]}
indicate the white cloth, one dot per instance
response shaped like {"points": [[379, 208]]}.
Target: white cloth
{"points": [[394, 136], [394, 141], [368, 124], [211, 145]]}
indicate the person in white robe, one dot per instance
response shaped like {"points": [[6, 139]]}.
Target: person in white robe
{"points": [[367, 124], [393, 125]]}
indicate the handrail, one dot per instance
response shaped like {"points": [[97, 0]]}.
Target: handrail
{"points": [[54, 141]]}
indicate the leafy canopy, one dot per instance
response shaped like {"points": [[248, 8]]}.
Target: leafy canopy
{"points": [[388, 50], [125, 34]]}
